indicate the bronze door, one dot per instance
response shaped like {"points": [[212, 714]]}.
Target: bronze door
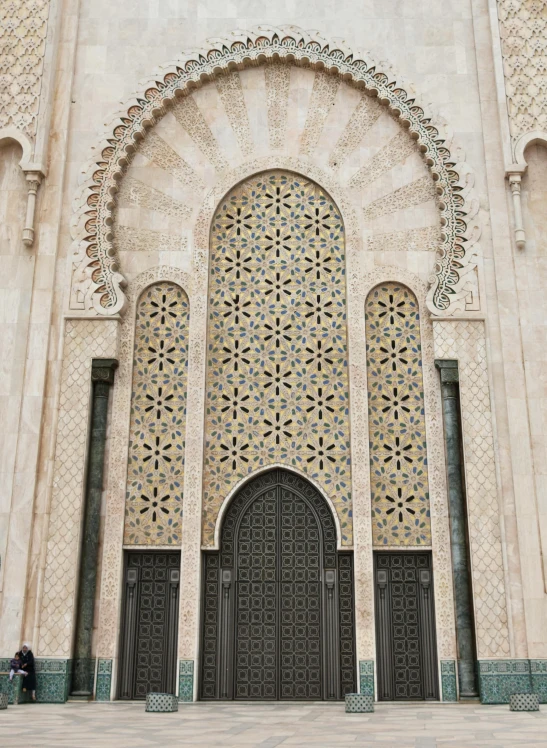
{"points": [[278, 602], [148, 642], [405, 627]]}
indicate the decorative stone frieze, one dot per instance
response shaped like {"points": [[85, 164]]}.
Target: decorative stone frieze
{"points": [[98, 283], [23, 30]]}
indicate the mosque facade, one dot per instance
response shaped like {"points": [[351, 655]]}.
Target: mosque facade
{"points": [[273, 412]]}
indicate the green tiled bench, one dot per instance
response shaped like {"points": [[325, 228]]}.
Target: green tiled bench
{"points": [[13, 689]]}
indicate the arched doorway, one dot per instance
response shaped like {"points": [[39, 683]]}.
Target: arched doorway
{"points": [[278, 619]]}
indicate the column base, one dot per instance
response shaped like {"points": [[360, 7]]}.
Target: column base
{"points": [[83, 677], [77, 696]]}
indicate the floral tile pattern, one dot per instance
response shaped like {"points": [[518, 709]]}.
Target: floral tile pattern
{"points": [[155, 474], [398, 457], [277, 380]]}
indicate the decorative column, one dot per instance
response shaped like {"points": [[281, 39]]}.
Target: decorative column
{"points": [[458, 528], [34, 179], [102, 377], [515, 173]]}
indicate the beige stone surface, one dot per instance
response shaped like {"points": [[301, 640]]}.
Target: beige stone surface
{"points": [[15, 303], [258, 117], [268, 725]]}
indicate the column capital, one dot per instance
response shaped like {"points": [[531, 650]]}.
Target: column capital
{"points": [[102, 370], [448, 369]]}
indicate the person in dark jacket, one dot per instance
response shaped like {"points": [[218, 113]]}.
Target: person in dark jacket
{"points": [[27, 664]]}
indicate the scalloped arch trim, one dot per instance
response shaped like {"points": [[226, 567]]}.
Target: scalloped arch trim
{"points": [[93, 253]]}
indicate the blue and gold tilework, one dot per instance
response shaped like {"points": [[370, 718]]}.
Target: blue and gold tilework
{"points": [[155, 474], [398, 456], [277, 374]]}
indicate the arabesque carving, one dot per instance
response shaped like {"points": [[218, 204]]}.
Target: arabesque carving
{"points": [[23, 29], [97, 282], [523, 27]]}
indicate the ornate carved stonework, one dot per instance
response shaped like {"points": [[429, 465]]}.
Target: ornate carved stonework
{"points": [[97, 282], [23, 29], [523, 31], [465, 341], [84, 340]]}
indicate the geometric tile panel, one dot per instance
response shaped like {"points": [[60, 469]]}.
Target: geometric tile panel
{"points": [[53, 681], [448, 680], [398, 452], [104, 680], [13, 689], [366, 677], [155, 473], [500, 679], [538, 669], [277, 372], [186, 680]]}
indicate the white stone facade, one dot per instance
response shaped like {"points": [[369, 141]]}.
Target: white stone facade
{"points": [[412, 139]]}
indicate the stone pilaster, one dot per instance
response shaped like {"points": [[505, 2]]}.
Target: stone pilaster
{"points": [[458, 528], [102, 377]]}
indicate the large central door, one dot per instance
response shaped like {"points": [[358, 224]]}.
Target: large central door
{"points": [[278, 617]]}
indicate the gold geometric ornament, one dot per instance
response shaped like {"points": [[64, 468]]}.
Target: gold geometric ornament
{"points": [[398, 455], [277, 378], [155, 473]]}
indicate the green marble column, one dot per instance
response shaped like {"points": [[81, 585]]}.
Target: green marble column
{"points": [[102, 377], [458, 528]]}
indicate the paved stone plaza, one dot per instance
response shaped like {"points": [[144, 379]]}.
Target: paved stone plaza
{"points": [[269, 725]]}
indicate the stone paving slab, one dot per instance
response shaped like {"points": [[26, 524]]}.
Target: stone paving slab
{"points": [[269, 725]]}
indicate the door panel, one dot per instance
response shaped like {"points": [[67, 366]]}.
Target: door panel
{"points": [[257, 601], [149, 631], [278, 618], [405, 627], [300, 593]]}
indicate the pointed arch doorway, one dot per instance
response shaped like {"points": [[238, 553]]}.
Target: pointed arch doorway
{"points": [[278, 607]]}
